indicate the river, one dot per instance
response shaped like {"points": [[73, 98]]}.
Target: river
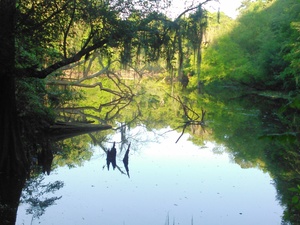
{"points": [[215, 172], [168, 183]]}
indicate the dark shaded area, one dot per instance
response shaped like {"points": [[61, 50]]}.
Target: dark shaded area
{"points": [[10, 193], [41, 153], [63, 130], [184, 81], [12, 156], [45, 158], [125, 160], [111, 157]]}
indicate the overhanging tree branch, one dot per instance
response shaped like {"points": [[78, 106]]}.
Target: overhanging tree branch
{"points": [[192, 8], [33, 72]]}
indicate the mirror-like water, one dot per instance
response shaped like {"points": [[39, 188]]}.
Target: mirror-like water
{"points": [[169, 184]]}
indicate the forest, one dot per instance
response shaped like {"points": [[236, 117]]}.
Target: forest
{"points": [[54, 54]]}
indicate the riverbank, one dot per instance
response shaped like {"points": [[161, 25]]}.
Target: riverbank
{"points": [[231, 89]]}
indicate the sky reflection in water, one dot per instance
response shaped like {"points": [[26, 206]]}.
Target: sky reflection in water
{"points": [[182, 182]]}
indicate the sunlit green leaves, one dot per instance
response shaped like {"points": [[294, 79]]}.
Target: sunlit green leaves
{"points": [[261, 50]]}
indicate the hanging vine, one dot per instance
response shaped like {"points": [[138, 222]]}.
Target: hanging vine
{"points": [[196, 30]]}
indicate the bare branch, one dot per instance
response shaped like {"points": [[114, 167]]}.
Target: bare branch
{"points": [[66, 32], [191, 9], [181, 133]]}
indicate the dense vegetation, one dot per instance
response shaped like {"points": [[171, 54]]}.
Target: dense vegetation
{"points": [[39, 39], [260, 49], [54, 49], [43, 38]]}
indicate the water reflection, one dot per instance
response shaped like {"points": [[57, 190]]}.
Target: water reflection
{"points": [[45, 158], [125, 160], [223, 173], [38, 196], [169, 183], [111, 157]]}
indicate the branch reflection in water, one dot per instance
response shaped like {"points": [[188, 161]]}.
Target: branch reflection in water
{"points": [[111, 159], [181, 180]]}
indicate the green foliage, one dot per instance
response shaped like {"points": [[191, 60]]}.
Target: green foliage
{"points": [[291, 73], [226, 60], [289, 137], [30, 103], [295, 103], [72, 152], [236, 124], [58, 97], [296, 196], [261, 48]]}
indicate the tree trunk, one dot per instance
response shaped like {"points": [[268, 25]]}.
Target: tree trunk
{"points": [[10, 193], [12, 157], [180, 54], [199, 61]]}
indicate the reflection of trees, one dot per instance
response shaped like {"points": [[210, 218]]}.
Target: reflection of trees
{"points": [[73, 151], [36, 195], [45, 158], [111, 155], [255, 136], [122, 97], [191, 117], [126, 160], [130, 105], [283, 162], [144, 105]]}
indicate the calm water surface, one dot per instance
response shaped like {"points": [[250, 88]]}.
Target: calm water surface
{"points": [[169, 184]]}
